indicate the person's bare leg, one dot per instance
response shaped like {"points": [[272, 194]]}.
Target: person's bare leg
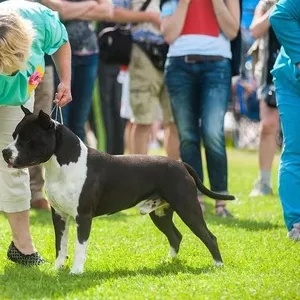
{"points": [[267, 149], [171, 141], [140, 138], [269, 130], [127, 137], [19, 223]]}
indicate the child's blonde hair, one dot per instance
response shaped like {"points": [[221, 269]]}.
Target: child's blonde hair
{"points": [[16, 36]]}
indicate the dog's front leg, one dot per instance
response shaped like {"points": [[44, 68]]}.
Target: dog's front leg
{"points": [[84, 223], [61, 228]]}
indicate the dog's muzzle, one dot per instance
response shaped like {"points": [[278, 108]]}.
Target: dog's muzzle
{"points": [[7, 156]]}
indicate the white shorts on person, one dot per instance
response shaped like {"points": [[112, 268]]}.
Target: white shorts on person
{"points": [[15, 192]]}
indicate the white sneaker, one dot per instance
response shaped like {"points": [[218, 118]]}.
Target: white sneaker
{"points": [[294, 234], [261, 189]]}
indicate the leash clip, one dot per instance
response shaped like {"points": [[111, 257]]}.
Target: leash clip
{"points": [[58, 108]]}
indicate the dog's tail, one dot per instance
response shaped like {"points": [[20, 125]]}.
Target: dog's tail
{"points": [[204, 189]]}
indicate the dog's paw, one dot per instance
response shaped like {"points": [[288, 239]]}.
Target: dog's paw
{"points": [[76, 270], [58, 266], [218, 264], [172, 253], [59, 263]]}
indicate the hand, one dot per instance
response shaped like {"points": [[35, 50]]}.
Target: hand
{"points": [[154, 18], [63, 95]]}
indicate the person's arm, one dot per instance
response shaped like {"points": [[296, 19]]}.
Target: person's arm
{"points": [[52, 4], [172, 23], [285, 21], [228, 16], [56, 44], [102, 11], [70, 10], [123, 15], [62, 61], [260, 23]]}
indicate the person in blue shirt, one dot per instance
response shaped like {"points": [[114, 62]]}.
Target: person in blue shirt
{"points": [[285, 21]]}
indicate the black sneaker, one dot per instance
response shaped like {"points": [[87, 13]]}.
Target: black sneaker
{"points": [[15, 255]]}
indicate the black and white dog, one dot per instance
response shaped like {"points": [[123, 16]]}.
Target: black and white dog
{"points": [[83, 183]]}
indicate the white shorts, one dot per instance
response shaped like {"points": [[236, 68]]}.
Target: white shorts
{"points": [[14, 184]]}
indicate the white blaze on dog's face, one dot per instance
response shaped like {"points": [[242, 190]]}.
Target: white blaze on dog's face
{"points": [[34, 141], [10, 153]]}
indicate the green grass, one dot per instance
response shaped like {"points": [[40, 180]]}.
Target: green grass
{"points": [[127, 255]]}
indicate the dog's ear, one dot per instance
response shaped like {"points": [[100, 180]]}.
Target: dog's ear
{"points": [[45, 120], [26, 111]]}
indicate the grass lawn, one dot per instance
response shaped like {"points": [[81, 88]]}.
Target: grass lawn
{"points": [[127, 254]]}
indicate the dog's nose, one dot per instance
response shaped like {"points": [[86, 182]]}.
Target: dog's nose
{"points": [[6, 153]]}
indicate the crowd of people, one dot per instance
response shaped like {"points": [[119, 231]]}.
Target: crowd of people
{"points": [[186, 60]]}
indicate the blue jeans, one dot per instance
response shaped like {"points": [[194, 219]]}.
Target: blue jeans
{"points": [[288, 99], [199, 95], [110, 96], [84, 74]]}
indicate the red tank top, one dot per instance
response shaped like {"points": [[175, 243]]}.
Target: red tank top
{"points": [[201, 19]]}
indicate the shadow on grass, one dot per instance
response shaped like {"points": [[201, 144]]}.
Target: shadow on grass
{"points": [[35, 283], [45, 218], [251, 225]]}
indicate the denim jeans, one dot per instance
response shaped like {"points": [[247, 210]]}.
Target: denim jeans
{"points": [[110, 96], [199, 95], [84, 74]]}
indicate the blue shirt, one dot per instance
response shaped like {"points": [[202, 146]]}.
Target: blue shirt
{"points": [[285, 20]]}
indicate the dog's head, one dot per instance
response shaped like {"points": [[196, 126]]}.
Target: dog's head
{"points": [[34, 141]]}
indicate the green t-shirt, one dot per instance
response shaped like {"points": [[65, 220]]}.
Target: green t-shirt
{"points": [[50, 35]]}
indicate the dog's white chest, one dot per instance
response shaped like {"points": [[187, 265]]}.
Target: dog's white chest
{"points": [[63, 184], [64, 197]]}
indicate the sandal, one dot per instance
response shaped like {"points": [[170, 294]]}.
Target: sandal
{"points": [[221, 211], [16, 256]]}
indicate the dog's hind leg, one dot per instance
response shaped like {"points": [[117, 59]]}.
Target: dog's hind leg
{"points": [[165, 224], [61, 228], [192, 216], [84, 223]]}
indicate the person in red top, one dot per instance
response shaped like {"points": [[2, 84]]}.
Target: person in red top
{"points": [[198, 77]]}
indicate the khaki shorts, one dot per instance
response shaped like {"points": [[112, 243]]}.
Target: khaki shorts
{"points": [[14, 184], [147, 90]]}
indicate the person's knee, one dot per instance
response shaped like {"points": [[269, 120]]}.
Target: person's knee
{"points": [[188, 139], [213, 139], [269, 126]]}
